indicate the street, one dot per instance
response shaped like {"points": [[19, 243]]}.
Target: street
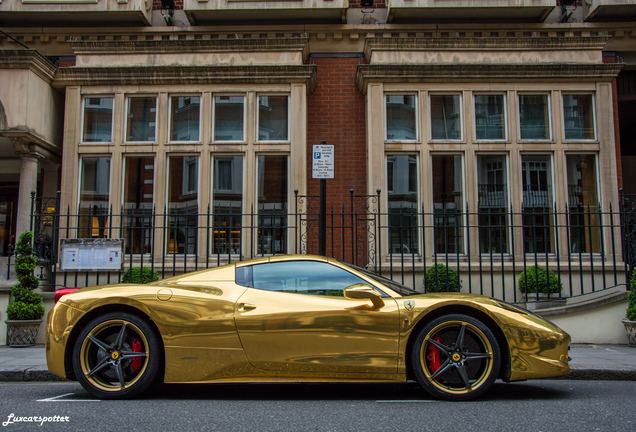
{"points": [[548, 405]]}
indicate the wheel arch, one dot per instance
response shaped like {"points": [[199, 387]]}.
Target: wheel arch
{"points": [[77, 328], [466, 310]]}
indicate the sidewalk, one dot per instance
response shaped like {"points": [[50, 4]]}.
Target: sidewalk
{"points": [[589, 362]]}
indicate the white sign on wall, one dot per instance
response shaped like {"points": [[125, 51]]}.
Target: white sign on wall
{"points": [[322, 161], [91, 254]]}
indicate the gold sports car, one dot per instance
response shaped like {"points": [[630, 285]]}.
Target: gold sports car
{"points": [[295, 318]]}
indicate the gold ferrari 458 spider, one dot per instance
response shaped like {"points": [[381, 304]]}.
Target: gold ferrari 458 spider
{"points": [[295, 318]]}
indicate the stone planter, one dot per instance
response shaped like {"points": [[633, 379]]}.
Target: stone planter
{"points": [[630, 328], [22, 333]]}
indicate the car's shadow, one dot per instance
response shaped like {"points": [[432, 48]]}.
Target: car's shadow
{"points": [[340, 391]]}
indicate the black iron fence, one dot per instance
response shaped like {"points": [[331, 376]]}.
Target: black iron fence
{"points": [[584, 248]]}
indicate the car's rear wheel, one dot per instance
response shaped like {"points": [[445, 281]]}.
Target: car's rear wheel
{"points": [[455, 357], [116, 355]]}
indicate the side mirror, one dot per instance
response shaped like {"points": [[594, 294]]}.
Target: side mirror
{"points": [[364, 292]]}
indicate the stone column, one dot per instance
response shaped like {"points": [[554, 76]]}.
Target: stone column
{"points": [[28, 184]]}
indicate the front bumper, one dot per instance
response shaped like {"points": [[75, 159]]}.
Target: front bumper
{"points": [[60, 323]]}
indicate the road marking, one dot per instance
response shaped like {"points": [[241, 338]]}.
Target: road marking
{"points": [[59, 399], [406, 401]]}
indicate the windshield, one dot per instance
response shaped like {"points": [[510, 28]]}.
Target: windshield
{"points": [[398, 288]]}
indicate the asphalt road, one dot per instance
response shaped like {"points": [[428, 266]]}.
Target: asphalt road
{"points": [[557, 405]]}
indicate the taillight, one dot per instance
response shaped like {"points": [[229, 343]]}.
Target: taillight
{"points": [[62, 292]]}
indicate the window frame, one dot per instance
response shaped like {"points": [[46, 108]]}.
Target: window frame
{"points": [[594, 117], [126, 118], [504, 95], [416, 115], [213, 125], [548, 96], [465, 231], [418, 194], [112, 119], [170, 123], [461, 117], [258, 118]]}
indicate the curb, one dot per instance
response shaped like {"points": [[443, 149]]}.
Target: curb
{"points": [[575, 374]]}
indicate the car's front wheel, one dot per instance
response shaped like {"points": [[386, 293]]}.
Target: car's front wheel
{"points": [[116, 355], [455, 357]]}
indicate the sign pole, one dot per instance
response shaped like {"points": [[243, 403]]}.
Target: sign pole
{"points": [[323, 169], [322, 246]]}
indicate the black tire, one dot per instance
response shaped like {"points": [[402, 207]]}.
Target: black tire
{"points": [[120, 369], [444, 369]]}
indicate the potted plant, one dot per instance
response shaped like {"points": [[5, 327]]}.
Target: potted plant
{"points": [[539, 280], [441, 278], [25, 310], [630, 320], [142, 275]]}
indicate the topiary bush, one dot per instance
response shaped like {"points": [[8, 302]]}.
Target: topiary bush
{"points": [[25, 304], [142, 275], [631, 298], [441, 278], [538, 279]]}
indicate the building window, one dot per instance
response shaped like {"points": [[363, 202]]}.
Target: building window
{"points": [[273, 118], [272, 185], [141, 119], [183, 204], [401, 124], [537, 205], [534, 117], [93, 197], [583, 203], [137, 207], [578, 116], [448, 204], [490, 117], [227, 205], [184, 118], [492, 175], [98, 119], [446, 117], [402, 204], [229, 113]]}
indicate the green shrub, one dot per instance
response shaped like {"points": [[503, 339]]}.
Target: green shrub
{"points": [[141, 275], [25, 304], [441, 278], [537, 279], [631, 298]]}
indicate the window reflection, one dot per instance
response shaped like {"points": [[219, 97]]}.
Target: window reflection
{"points": [[183, 207], [184, 118], [272, 118], [227, 205], [272, 204], [446, 117], [137, 207], [583, 203], [402, 201], [94, 195], [98, 119], [228, 118], [534, 117], [578, 116], [490, 117], [141, 118], [537, 215], [400, 117], [448, 202], [493, 203]]}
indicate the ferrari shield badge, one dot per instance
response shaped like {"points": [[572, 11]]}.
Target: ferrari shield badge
{"points": [[409, 304]]}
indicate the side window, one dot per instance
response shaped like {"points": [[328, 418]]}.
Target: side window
{"points": [[303, 277]]}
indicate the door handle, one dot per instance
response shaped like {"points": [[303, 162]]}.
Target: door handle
{"points": [[245, 307]]}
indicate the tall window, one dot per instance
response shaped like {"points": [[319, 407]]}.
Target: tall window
{"points": [[272, 204], [493, 203], [137, 207], [183, 204], [141, 118], [402, 200], [578, 116], [98, 119], [227, 205], [273, 118], [184, 118], [448, 203], [93, 197], [583, 203], [537, 213], [490, 117], [228, 118], [534, 117], [400, 117], [446, 117]]}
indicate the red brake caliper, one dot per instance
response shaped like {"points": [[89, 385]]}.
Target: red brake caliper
{"points": [[135, 364], [434, 357]]}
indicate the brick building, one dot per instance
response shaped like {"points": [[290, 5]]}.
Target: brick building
{"points": [[462, 130]]}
